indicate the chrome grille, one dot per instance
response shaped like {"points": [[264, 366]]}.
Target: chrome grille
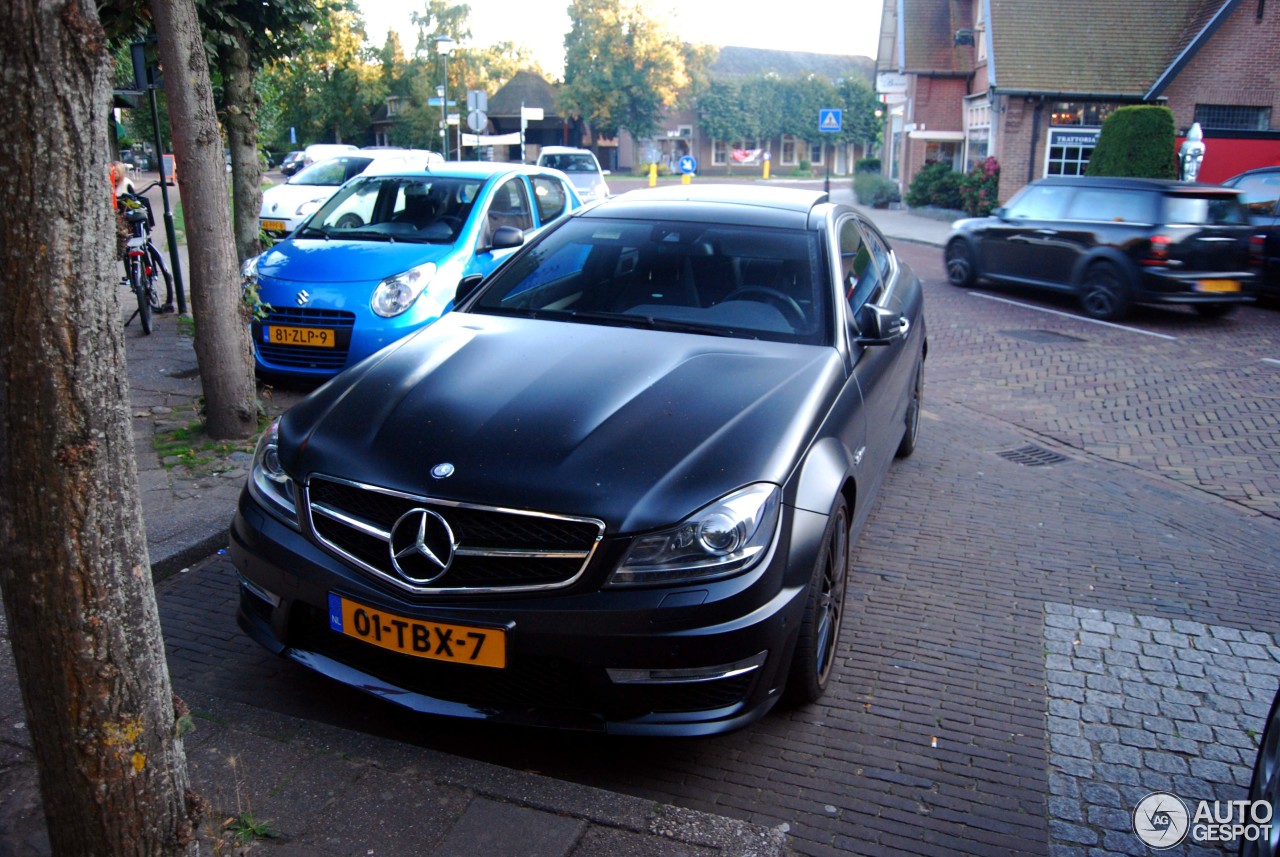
{"points": [[497, 550]]}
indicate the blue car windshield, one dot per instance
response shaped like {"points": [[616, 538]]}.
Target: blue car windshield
{"points": [[719, 279], [423, 209]]}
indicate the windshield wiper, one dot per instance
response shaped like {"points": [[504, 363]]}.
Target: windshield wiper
{"points": [[312, 232], [649, 321]]}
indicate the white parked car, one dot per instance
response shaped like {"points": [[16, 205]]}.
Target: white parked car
{"points": [[582, 168], [285, 206], [317, 152]]}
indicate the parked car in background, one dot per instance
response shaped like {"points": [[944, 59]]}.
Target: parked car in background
{"points": [[1114, 242], [1265, 785], [384, 256], [284, 206], [291, 162], [582, 168], [1260, 194], [317, 152], [617, 488]]}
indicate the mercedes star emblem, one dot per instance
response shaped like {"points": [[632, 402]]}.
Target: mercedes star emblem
{"points": [[422, 546]]}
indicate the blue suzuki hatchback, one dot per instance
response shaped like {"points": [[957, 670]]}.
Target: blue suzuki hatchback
{"points": [[384, 256]]}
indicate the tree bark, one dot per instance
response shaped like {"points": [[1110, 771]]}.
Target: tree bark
{"points": [[73, 557], [242, 138], [222, 320]]}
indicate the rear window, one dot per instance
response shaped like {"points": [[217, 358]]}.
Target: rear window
{"points": [[1203, 210]]}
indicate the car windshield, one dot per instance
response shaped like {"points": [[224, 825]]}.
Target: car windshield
{"points": [[578, 163], [425, 209], [1203, 209], [719, 279], [331, 173]]}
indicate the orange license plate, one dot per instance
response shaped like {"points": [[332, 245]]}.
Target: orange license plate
{"points": [[310, 337], [1217, 285], [273, 225], [437, 641]]}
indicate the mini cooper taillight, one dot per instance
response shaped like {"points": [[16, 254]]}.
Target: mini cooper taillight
{"points": [[1158, 252], [1257, 247]]}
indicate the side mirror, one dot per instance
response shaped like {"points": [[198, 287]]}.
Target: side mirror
{"points": [[880, 326], [606, 172], [466, 286], [505, 237], [1001, 213]]}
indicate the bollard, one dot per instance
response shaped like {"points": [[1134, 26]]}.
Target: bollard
{"points": [[653, 175]]}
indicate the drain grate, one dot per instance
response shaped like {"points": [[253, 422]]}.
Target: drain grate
{"points": [[1041, 337], [1032, 456]]}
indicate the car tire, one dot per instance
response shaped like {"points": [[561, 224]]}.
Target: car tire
{"points": [[1265, 784], [350, 220], [815, 653], [1215, 310], [961, 269], [911, 432], [1104, 292]]}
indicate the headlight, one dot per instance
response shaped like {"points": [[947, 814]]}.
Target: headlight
{"points": [[268, 483], [396, 294], [724, 538], [308, 207], [249, 271]]}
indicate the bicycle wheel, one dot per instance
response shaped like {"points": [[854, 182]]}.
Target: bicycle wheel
{"points": [[157, 264], [142, 290]]}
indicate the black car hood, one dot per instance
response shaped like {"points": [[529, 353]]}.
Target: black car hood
{"points": [[635, 427]]}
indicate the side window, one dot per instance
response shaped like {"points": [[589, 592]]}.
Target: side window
{"points": [[1261, 193], [859, 272], [1039, 202], [550, 197], [1112, 205], [510, 207]]}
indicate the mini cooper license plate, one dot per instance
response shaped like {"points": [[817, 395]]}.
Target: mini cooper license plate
{"points": [[273, 225], [308, 337], [437, 641], [1217, 285]]}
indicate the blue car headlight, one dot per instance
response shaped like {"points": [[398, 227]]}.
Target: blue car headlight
{"points": [[396, 294], [249, 272], [724, 538], [268, 483]]}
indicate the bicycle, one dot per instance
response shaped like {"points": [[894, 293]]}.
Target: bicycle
{"points": [[142, 260]]}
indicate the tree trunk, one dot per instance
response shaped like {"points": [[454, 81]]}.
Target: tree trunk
{"points": [[222, 320], [242, 138], [73, 557]]}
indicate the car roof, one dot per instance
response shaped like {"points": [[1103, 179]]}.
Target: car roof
{"points": [[715, 203], [1256, 171], [563, 150], [1131, 183], [473, 169]]}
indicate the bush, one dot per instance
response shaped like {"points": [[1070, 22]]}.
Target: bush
{"points": [[643, 170], [936, 185], [1138, 141], [875, 190], [805, 166], [867, 165], [980, 189]]}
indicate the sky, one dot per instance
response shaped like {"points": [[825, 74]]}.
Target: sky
{"points": [[824, 26]]}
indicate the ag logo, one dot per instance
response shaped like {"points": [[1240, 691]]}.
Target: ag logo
{"points": [[1161, 820]]}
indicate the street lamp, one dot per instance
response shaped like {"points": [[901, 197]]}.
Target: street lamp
{"points": [[444, 47]]}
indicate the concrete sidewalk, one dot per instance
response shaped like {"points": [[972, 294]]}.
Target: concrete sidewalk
{"points": [[348, 793]]}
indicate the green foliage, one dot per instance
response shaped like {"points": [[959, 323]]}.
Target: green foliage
{"points": [[1138, 141], [875, 190], [937, 185], [246, 829], [980, 188], [622, 69], [867, 165]]}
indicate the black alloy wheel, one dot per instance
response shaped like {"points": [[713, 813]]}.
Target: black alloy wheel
{"points": [[912, 431], [1265, 785], [961, 270], [823, 611], [1104, 292], [141, 284]]}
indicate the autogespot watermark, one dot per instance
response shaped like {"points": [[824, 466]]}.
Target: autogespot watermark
{"points": [[1163, 820]]}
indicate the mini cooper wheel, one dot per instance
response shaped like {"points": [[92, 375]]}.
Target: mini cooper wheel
{"points": [[1265, 785], [961, 270], [1104, 292], [911, 433], [823, 610]]}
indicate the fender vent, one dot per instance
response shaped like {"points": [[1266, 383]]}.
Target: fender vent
{"points": [[1032, 456]]}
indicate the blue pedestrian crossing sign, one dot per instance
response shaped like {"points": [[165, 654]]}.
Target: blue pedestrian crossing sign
{"points": [[830, 120], [688, 164]]}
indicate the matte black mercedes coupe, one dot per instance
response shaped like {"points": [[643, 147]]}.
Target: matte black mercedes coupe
{"points": [[616, 488]]}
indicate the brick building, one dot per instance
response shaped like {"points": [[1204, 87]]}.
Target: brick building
{"points": [[1030, 82]]}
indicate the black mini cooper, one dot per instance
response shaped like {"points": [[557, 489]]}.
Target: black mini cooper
{"points": [[1114, 242], [616, 488]]}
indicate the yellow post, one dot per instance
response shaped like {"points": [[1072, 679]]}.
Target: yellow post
{"points": [[686, 178], [653, 175], [766, 168]]}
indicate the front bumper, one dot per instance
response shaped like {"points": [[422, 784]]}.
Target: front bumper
{"points": [[692, 660]]}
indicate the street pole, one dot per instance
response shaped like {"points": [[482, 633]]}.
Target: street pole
{"points": [[170, 234]]}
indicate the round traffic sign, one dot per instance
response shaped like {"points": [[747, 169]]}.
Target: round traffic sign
{"points": [[688, 164]]}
